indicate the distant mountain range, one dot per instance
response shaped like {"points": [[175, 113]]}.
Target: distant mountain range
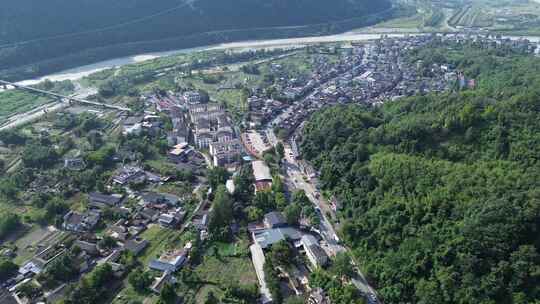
{"points": [[38, 37]]}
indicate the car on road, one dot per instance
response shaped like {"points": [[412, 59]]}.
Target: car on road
{"points": [[372, 299]]}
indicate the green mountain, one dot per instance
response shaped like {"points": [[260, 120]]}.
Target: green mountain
{"points": [[440, 193], [44, 36]]}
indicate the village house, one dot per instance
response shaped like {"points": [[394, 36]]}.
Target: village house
{"points": [[132, 125], [100, 200], [75, 164], [129, 175], [136, 245], [154, 198], [275, 220], [180, 152], [172, 218], [149, 214], [89, 248], [77, 222], [171, 261]]}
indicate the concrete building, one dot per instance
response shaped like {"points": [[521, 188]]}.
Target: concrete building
{"points": [[226, 152], [263, 177]]}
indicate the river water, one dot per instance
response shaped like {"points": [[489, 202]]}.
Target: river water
{"points": [[82, 71]]}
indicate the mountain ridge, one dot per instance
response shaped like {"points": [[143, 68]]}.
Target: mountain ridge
{"points": [[25, 44]]}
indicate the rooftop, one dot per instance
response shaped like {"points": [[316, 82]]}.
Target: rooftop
{"points": [[261, 171]]}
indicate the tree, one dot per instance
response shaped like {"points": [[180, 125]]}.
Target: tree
{"points": [[281, 254], [221, 215], [341, 266], [300, 198], [9, 222], [139, 279], [168, 295], [8, 188], [280, 150], [29, 290], [12, 137], [211, 298], [55, 207], [282, 134], [272, 281], [254, 214], [243, 183], [217, 176], [264, 201], [292, 213], [246, 293], [277, 184], [7, 269], [63, 269], [95, 138], [102, 157], [39, 156], [281, 200], [107, 242]]}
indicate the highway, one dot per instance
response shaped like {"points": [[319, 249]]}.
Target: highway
{"points": [[34, 114], [69, 99]]}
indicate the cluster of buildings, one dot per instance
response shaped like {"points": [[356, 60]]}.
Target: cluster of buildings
{"points": [[206, 125], [213, 130], [262, 110], [373, 73], [275, 229]]}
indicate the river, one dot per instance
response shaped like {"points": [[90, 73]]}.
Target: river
{"points": [[82, 71]]}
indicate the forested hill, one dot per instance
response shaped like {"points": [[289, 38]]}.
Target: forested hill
{"points": [[441, 193], [33, 31]]}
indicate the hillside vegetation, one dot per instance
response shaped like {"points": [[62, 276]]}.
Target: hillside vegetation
{"points": [[84, 31], [441, 192]]}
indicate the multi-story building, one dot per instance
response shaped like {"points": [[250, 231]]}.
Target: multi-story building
{"points": [[226, 152]]}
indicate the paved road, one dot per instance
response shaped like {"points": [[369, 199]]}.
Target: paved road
{"points": [[326, 228]]}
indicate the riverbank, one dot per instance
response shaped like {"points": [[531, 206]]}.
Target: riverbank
{"points": [[85, 70]]}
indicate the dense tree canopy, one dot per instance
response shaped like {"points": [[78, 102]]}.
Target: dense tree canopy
{"points": [[9, 222], [221, 216], [7, 269], [440, 192], [93, 287]]}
